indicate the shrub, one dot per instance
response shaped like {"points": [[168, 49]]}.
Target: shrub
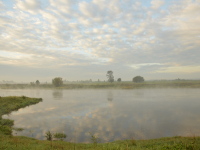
{"points": [[119, 79], [138, 79], [57, 81], [60, 136], [49, 136]]}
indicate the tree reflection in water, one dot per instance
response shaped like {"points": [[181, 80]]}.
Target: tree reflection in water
{"points": [[57, 94], [110, 96]]}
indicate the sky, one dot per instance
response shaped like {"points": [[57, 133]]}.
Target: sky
{"points": [[83, 39]]}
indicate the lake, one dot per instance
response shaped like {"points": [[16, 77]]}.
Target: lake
{"points": [[109, 114]]}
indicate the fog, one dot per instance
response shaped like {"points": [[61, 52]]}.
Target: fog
{"points": [[110, 114]]}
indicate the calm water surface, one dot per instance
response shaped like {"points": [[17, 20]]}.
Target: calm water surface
{"points": [[109, 114]]}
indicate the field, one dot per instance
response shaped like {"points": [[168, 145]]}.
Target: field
{"points": [[114, 85], [9, 142]]}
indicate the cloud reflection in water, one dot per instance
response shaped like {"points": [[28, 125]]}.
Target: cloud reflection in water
{"points": [[111, 114]]}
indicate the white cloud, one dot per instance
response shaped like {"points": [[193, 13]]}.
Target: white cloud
{"points": [[101, 32], [155, 4], [180, 69], [62, 6], [138, 66], [27, 5], [2, 6]]}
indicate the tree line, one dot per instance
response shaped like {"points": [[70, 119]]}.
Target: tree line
{"points": [[58, 80], [110, 77]]}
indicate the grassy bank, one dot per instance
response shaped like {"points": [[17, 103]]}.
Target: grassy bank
{"points": [[175, 143], [9, 142], [9, 104], [114, 85]]}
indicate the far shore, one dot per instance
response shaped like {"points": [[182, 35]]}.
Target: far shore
{"points": [[108, 85]]}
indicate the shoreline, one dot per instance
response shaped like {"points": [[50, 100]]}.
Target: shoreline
{"points": [[106, 85]]}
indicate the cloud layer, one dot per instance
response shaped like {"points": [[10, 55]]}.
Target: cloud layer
{"points": [[79, 35]]}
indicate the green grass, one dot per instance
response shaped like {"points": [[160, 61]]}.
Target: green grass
{"points": [[114, 85], [175, 143], [9, 104]]}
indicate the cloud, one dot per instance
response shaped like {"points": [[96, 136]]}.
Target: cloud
{"points": [[63, 5], [155, 4], [27, 5], [138, 66], [115, 33], [180, 69], [2, 6]]}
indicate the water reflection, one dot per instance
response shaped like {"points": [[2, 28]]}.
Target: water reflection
{"points": [[57, 94], [110, 96], [139, 93], [154, 113]]}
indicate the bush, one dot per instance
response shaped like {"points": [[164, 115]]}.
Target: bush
{"points": [[138, 79], [49, 136], [60, 136], [57, 81], [6, 122], [6, 130], [119, 79]]}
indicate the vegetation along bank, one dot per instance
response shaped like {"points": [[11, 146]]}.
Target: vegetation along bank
{"points": [[108, 85]]}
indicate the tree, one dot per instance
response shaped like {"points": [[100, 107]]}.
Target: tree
{"points": [[119, 79], [57, 81], [49, 136], [37, 82], [138, 79], [110, 76]]}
